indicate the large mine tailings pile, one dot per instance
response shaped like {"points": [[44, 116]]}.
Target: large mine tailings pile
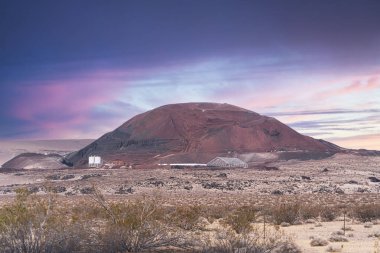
{"points": [[197, 131]]}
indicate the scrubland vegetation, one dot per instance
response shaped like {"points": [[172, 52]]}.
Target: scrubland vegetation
{"points": [[43, 223]]}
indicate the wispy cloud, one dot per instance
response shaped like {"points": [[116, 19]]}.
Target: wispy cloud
{"points": [[323, 112], [356, 86], [368, 141]]}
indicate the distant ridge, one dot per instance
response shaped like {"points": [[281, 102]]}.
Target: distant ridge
{"points": [[11, 148]]}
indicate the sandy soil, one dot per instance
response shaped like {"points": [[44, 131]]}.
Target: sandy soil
{"points": [[16, 180], [359, 237]]}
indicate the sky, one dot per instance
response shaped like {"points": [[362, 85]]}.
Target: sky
{"points": [[78, 69]]}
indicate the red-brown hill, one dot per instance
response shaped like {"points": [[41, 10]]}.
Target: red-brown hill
{"points": [[197, 131]]}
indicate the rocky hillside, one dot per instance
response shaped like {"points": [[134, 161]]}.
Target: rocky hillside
{"points": [[34, 161], [197, 132]]}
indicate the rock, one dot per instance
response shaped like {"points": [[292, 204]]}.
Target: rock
{"points": [[33, 189], [53, 177], [157, 183], [305, 178], [230, 185], [67, 177], [323, 189], [87, 190], [124, 190], [222, 175], [58, 189], [352, 182], [361, 190], [212, 185], [339, 190], [188, 187], [84, 177], [374, 179], [277, 192], [5, 191]]}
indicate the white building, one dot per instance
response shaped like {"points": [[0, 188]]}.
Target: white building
{"points": [[95, 161], [227, 162]]}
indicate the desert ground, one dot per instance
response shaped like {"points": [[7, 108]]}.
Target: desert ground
{"points": [[360, 237], [342, 175], [343, 181]]}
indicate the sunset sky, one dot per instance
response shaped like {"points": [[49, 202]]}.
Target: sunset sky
{"points": [[78, 69]]}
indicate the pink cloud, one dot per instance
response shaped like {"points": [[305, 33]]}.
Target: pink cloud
{"points": [[357, 86], [369, 141], [58, 105]]}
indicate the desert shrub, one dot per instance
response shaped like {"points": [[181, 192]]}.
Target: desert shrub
{"points": [[334, 249], [366, 212], [375, 234], [339, 232], [186, 217], [285, 213], [212, 213], [329, 213], [335, 237], [284, 224], [317, 242], [307, 212], [227, 241], [286, 247], [137, 237], [87, 211], [134, 227], [347, 228], [32, 225], [240, 220]]}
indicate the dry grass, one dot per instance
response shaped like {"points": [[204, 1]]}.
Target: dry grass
{"points": [[366, 212]]}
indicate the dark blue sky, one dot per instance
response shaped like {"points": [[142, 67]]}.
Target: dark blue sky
{"points": [[65, 64]]}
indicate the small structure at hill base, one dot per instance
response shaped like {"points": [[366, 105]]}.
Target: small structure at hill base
{"points": [[227, 162], [95, 161]]}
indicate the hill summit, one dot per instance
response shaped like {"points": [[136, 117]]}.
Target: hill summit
{"points": [[197, 131]]}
